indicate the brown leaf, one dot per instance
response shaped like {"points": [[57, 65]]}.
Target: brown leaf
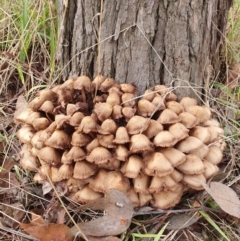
{"points": [[180, 221], [225, 197], [119, 211], [47, 232]]}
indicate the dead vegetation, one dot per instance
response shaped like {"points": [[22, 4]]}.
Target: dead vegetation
{"points": [[27, 65]]}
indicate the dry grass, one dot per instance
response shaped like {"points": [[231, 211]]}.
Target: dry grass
{"points": [[28, 36]]}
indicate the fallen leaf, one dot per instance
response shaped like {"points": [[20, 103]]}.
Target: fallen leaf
{"points": [[225, 197], [119, 211], [47, 232], [180, 221]]}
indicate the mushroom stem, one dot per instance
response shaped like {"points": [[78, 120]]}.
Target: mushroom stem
{"points": [[84, 95]]}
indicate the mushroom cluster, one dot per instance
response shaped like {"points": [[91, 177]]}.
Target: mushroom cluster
{"points": [[96, 135]]}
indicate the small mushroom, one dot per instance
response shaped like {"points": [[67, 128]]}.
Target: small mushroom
{"points": [[103, 110], [106, 141], [113, 99], [122, 136], [59, 140], [92, 145], [167, 199], [175, 107], [97, 183], [133, 196], [65, 171], [175, 156], [168, 117], [128, 88], [133, 166], [128, 112], [192, 165], [210, 169], [187, 102], [107, 84], [189, 144], [192, 181], [141, 184], [47, 107], [146, 108], [153, 129], [84, 169], [40, 123], [25, 134], [86, 195], [80, 139], [128, 100], [140, 143], [117, 112], [202, 133], [121, 152], [158, 165], [179, 131], [188, 120], [144, 199], [164, 139], [75, 119], [76, 154], [99, 155], [214, 155], [49, 155], [137, 124], [199, 112], [108, 126], [88, 124], [82, 83]]}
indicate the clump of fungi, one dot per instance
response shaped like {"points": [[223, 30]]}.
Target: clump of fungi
{"points": [[96, 135]]}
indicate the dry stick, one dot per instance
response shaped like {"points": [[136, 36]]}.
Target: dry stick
{"points": [[75, 224]]}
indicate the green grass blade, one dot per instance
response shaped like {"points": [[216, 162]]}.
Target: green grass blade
{"points": [[208, 218]]}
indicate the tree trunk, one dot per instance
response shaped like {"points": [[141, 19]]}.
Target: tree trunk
{"points": [[145, 42]]}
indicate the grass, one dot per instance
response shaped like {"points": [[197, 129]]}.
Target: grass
{"points": [[28, 40]]}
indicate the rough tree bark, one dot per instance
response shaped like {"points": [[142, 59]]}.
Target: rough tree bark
{"points": [[187, 36]]}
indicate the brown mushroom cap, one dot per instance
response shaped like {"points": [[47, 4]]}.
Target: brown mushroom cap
{"points": [[179, 131], [202, 152], [108, 126], [121, 152], [144, 199], [75, 119], [175, 156], [36, 142], [80, 139], [84, 169], [133, 196], [192, 181], [140, 143], [175, 107], [55, 175], [214, 155], [128, 88], [137, 124], [165, 183], [146, 108], [88, 124], [41, 97], [200, 132], [98, 181], [47, 107], [192, 165], [65, 171], [133, 166], [187, 102], [75, 184], [23, 116], [122, 136], [103, 110], [157, 165], [59, 140], [115, 179], [113, 99], [40, 123], [86, 195], [82, 82], [29, 162], [128, 112], [128, 99], [49, 155], [76, 153], [210, 169], [99, 155], [188, 119], [168, 117], [106, 141], [141, 184], [107, 84], [199, 112], [164, 139], [45, 171], [189, 144], [148, 95], [158, 102], [25, 134], [167, 199], [153, 129], [92, 145], [117, 112]]}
